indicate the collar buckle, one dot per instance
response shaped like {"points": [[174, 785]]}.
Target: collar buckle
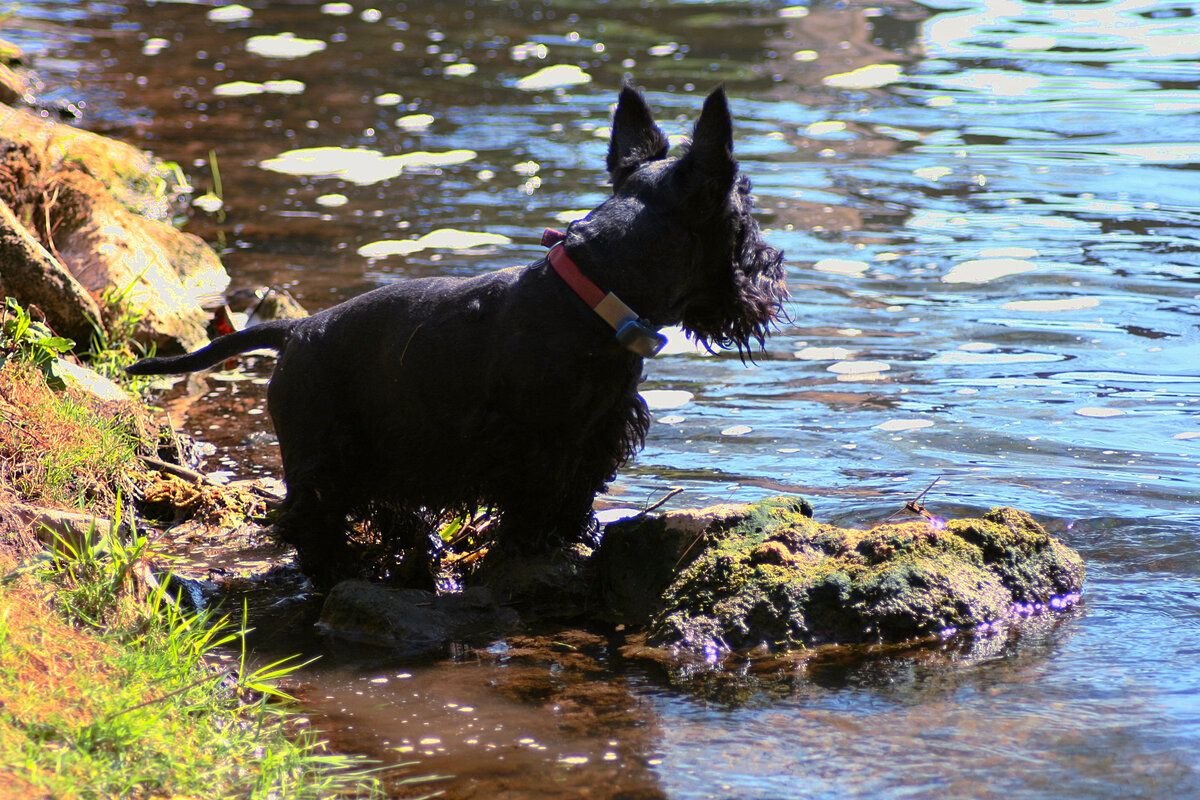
{"points": [[637, 335]]}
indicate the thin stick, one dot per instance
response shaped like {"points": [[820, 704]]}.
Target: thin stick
{"points": [[219, 676], [661, 502], [176, 470], [914, 506]]}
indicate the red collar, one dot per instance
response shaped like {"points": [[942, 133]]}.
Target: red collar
{"points": [[633, 332]]}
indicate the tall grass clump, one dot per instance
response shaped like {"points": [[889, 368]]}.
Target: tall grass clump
{"points": [[109, 688], [113, 346], [65, 448], [163, 704]]}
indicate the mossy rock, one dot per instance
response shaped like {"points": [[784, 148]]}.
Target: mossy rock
{"points": [[768, 574], [140, 182]]}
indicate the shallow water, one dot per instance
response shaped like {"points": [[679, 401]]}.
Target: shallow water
{"points": [[993, 254]]}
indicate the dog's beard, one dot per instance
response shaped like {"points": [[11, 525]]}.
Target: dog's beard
{"points": [[743, 315]]}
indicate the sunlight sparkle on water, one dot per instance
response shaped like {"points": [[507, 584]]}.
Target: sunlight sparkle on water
{"points": [[1099, 412], [556, 77], [904, 424], [872, 76], [984, 270], [858, 368], [442, 239], [825, 353], [1041, 306], [415, 123], [283, 45], [663, 399], [842, 266], [233, 13], [359, 165], [332, 200]]}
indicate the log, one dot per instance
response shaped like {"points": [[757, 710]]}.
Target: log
{"points": [[31, 274], [74, 529]]}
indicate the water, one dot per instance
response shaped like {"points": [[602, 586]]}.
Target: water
{"points": [[1042, 156]]}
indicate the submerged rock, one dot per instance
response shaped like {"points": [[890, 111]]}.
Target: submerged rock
{"points": [[741, 577], [264, 304], [411, 620]]}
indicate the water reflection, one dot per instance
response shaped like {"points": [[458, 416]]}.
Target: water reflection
{"points": [[991, 212]]}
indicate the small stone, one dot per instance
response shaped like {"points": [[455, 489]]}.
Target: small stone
{"points": [[771, 553]]}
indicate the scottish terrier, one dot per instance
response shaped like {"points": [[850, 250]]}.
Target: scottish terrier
{"points": [[515, 390]]}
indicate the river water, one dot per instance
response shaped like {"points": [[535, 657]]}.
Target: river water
{"points": [[991, 211]]}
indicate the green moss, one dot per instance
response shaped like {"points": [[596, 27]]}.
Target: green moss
{"points": [[1031, 564], [774, 576]]}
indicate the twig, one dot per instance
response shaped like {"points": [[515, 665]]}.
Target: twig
{"points": [[222, 675], [175, 442], [915, 506], [176, 470], [663, 500], [404, 352]]}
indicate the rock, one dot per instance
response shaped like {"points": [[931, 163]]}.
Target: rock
{"points": [[55, 527], [88, 380], [140, 182], [14, 86], [34, 276], [162, 274], [266, 303], [551, 585], [95, 207], [768, 574], [411, 620], [10, 53], [639, 557]]}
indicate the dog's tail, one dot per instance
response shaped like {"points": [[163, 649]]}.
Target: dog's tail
{"points": [[272, 335]]}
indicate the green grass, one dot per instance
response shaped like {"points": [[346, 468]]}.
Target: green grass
{"points": [[65, 448], [113, 346], [145, 709], [108, 689], [99, 458]]}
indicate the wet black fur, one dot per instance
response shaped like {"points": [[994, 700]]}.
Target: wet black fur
{"points": [[504, 390]]}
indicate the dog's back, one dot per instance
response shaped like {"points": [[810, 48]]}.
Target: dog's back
{"points": [[421, 389]]}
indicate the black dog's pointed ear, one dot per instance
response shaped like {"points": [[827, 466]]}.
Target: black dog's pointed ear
{"points": [[635, 138], [709, 162]]}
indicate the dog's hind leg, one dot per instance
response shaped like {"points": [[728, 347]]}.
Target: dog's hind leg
{"points": [[547, 520]]}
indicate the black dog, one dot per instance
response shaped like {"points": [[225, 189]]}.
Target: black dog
{"points": [[505, 390]]}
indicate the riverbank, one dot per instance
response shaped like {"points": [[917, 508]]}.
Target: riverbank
{"points": [[110, 686]]}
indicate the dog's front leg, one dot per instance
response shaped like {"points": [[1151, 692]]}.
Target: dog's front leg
{"points": [[316, 527]]}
